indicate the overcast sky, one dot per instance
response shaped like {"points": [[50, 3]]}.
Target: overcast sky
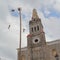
{"points": [[48, 11]]}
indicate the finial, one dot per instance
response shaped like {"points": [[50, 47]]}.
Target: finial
{"points": [[34, 14]]}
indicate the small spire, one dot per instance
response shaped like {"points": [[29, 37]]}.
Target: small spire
{"points": [[34, 14]]}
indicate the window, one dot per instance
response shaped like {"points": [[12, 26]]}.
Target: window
{"points": [[38, 28], [23, 57], [34, 19], [36, 40], [32, 29], [35, 28], [54, 52]]}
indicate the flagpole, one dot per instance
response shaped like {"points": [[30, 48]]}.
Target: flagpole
{"points": [[19, 9]]}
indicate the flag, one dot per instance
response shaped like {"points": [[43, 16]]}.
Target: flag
{"points": [[14, 13], [8, 26], [23, 30], [12, 10]]}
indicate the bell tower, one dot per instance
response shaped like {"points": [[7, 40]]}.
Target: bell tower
{"points": [[36, 38], [36, 42]]}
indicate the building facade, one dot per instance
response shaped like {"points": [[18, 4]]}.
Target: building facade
{"points": [[37, 47]]}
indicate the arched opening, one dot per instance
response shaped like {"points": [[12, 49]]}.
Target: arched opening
{"points": [[38, 28], [34, 28], [23, 57], [54, 52]]}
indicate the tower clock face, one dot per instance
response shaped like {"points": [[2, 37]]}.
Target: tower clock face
{"points": [[36, 40]]}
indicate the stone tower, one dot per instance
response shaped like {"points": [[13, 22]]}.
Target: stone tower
{"points": [[36, 37], [36, 42]]}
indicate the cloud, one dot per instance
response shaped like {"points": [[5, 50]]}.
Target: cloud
{"points": [[56, 5], [9, 39], [8, 43], [52, 28], [3, 10]]}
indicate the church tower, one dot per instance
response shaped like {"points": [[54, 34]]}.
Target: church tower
{"points": [[36, 42], [36, 38]]}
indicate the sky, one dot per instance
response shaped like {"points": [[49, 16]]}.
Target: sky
{"points": [[48, 11]]}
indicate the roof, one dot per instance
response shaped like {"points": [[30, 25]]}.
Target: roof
{"points": [[48, 43], [53, 42]]}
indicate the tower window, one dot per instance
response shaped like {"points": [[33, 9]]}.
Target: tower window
{"points": [[35, 28], [34, 19], [32, 29], [38, 28]]}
